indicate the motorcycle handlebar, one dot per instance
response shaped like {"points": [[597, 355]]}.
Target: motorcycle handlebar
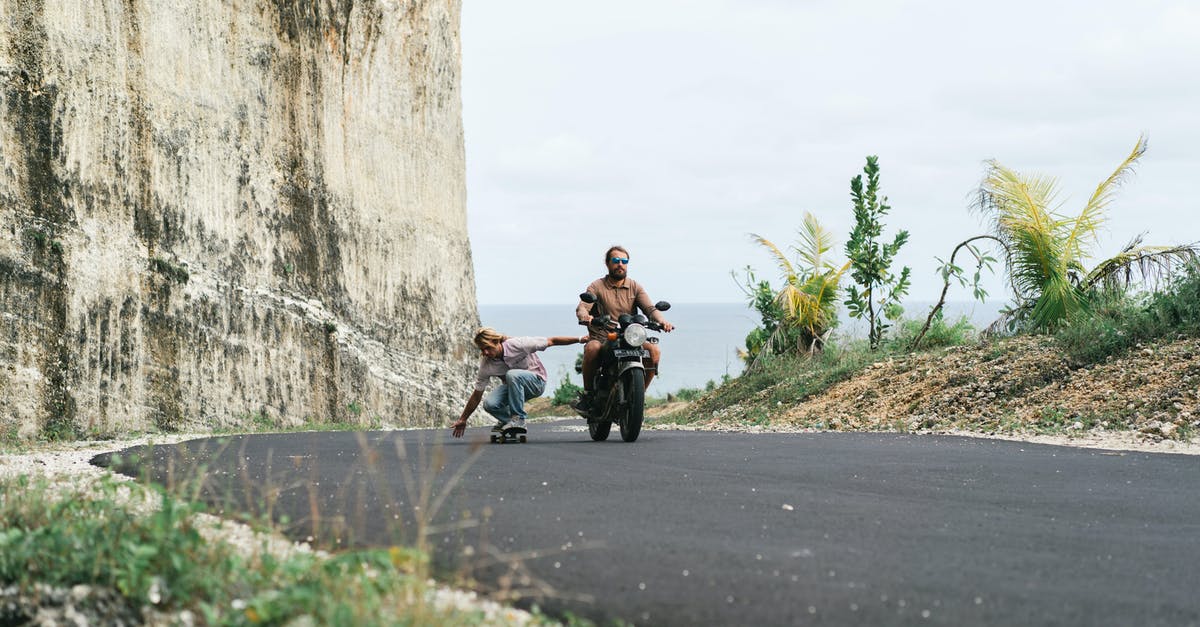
{"points": [[603, 321], [599, 321]]}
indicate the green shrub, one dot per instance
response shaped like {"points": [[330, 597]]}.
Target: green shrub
{"points": [[1177, 309], [70, 541], [1114, 325], [1118, 321], [688, 394], [566, 392], [940, 334]]}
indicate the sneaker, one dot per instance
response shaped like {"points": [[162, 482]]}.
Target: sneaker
{"points": [[516, 423]]}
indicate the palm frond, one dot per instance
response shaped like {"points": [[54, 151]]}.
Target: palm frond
{"points": [[815, 241], [1036, 255], [1147, 264], [1019, 208], [796, 305], [1107, 190], [1059, 300], [1003, 326], [1012, 200], [1092, 216], [832, 279], [785, 265]]}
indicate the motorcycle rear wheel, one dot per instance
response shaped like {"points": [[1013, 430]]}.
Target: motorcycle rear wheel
{"points": [[635, 397]]}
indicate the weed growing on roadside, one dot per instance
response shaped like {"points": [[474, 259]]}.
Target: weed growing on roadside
{"points": [[1051, 420], [260, 421], [10, 439], [162, 561]]}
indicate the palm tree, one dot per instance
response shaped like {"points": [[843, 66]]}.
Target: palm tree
{"points": [[1047, 250], [808, 298]]}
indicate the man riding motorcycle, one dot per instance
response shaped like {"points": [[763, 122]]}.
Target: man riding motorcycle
{"points": [[616, 294]]}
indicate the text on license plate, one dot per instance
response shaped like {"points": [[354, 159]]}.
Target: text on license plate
{"points": [[636, 352]]}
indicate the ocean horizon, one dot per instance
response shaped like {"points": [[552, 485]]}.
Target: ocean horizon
{"points": [[704, 345]]}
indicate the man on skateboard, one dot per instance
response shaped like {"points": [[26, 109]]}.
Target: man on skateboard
{"points": [[514, 361]]}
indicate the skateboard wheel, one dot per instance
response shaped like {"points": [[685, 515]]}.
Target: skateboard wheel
{"points": [[522, 439], [493, 439]]}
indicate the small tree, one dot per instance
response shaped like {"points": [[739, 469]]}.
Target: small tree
{"points": [[800, 315], [871, 260], [1047, 250], [949, 270]]}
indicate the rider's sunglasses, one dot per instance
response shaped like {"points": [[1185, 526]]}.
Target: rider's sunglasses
{"points": [[620, 260]]}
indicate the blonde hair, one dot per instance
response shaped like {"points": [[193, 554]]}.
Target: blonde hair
{"points": [[488, 335]]}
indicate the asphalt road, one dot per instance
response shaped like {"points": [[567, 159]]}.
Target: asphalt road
{"points": [[702, 528]]}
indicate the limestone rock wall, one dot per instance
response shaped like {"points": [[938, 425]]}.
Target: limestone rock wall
{"points": [[240, 210]]}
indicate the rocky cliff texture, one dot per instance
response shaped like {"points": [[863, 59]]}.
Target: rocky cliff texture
{"points": [[220, 212]]}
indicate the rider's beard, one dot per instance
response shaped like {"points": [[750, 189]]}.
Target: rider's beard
{"points": [[617, 273]]}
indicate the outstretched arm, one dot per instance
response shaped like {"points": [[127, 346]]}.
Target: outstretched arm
{"points": [[461, 425], [564, 341]]}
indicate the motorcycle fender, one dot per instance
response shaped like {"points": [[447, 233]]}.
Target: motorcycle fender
{"points": [[628, 365]]}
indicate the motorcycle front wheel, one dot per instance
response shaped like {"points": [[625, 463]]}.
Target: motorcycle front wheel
{"points": [[635, 397], [599, 429]]}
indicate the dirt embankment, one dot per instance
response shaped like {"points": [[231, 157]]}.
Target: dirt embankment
{"points": [[1023, 383], [1022, 387]]}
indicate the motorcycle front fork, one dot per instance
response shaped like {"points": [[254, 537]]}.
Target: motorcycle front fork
{"points": [[612, 396]]}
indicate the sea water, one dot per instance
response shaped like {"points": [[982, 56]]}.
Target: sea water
{"points": [[704, 346]]}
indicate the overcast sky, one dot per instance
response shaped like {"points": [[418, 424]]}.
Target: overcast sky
{"points": [[676, 128]]}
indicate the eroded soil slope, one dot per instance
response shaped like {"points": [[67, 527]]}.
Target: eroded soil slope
{"points": [[1022, 384]]}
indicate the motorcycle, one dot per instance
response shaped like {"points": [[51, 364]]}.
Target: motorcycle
{"points": [[619, 389]]}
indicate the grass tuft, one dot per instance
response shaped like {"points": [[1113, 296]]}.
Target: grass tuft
{"points": [[162, 562]]}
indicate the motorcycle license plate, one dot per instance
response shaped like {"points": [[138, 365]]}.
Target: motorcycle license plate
{"points": [[634, 352]]}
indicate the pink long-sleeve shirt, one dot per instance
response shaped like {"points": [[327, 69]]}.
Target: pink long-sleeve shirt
{"points": [[519, 353]]}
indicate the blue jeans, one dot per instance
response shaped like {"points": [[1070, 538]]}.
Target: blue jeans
{"points": [[507, 401]]}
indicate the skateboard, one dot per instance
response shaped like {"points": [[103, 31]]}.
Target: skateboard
{"points": [[511, 434]]}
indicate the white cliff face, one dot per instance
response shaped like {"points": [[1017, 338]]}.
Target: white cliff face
{"points": [[213, 212]]}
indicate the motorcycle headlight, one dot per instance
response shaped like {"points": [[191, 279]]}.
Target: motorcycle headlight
{"points": [[635, 335]]}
